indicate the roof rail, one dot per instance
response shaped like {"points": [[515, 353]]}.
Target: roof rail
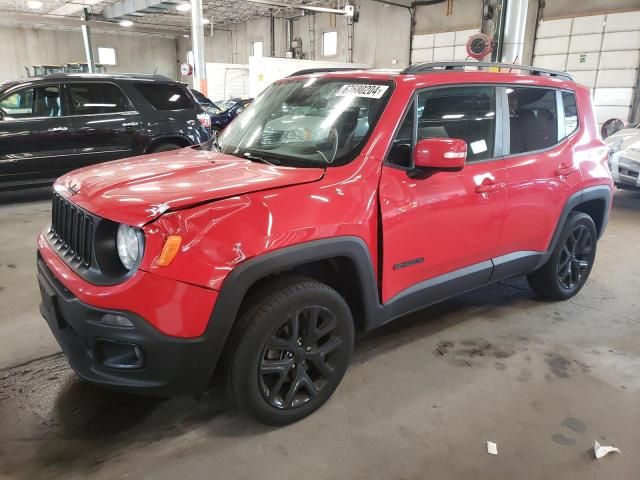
{"points": [[436, 66], [309, 71]]}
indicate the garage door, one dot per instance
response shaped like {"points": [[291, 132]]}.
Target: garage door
{"points": [[440, 47], [601, 51]]}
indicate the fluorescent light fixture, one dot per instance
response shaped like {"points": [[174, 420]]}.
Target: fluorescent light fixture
{"points": [[126, 23], [34, 4], [453, 116], [183, 7], [206, 21]]}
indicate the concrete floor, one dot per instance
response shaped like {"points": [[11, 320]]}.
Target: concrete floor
{"points": [[422, 396]]}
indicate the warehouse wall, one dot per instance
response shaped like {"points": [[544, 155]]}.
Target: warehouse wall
{"points": [[574, 8], [466, 15], [28, 46]]}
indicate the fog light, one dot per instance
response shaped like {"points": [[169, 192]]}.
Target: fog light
{"points": [[123, 356], [114, 320]]}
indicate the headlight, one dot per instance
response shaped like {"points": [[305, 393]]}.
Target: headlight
{"points": [[297, 135], [129, 243]]}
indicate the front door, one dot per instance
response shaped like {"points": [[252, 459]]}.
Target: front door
{"points": [[104, 122], [34, 135], [443, 224]]}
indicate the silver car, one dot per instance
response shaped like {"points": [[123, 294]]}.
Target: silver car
{"points": [[624, 157]]}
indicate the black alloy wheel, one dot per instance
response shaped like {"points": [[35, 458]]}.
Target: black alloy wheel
{"points": [[567, 269], [575, 257], [299, 358], [289, 349]]}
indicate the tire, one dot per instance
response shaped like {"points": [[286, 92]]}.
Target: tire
{"points": [[570, 264], [165, 147], [289, 350]]}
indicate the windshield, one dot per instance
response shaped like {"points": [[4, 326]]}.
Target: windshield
{"points": [[308, 122]]}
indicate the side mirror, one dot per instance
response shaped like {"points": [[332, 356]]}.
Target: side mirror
{"points": [[446, 154], [2, 114]]}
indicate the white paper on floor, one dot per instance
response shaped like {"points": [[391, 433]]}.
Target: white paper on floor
{"points": [[602, 450], [492, 448]]}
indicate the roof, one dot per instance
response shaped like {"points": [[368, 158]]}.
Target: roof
{"points": [[451, 72], [87, 76]]}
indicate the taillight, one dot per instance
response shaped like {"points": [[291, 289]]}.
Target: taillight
{"points": [[205, 120]]}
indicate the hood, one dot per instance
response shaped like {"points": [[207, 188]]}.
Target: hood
{"points": [[137, 190], [625, 138]]}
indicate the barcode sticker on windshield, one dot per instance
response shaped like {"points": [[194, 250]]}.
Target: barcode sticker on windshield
{"points": [[366, 91]]}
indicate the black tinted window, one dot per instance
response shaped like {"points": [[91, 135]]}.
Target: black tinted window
{"points": [[95, 98], [401, 149], [570, 113], [533, 119], [165, 96], [466, 113], [32, 103]]}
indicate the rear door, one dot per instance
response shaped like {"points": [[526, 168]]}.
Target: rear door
{"points": [[104, 122], [34, 134], [541, 171], [444, 225]]}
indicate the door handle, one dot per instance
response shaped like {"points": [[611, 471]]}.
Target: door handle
{"points": [[489, 187], [58, 129], [565, 171], [131, 124]]}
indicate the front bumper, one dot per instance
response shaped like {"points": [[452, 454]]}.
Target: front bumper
{"points": [[138, 359], [625, 170]]}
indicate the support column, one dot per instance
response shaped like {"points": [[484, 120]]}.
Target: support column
{"points": [[197, 47], [514, 30], [86, 37]]}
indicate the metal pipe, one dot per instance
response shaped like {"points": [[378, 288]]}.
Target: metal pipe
{"points": [[289, 24], [514, 29], [86, 36], [197, 47], [272, 31]]}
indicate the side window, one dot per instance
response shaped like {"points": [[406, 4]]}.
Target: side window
{"points": [[466, 113], [533, 119], [570, 113], [96, 98], [164, 96], [32, 103], [400, 153]]}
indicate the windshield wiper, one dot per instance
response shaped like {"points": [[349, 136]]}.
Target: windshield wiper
{"points": [[255, 158]]}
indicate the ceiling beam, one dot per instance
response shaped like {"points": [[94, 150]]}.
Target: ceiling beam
{"points": [[64, 22], [309, 8]]}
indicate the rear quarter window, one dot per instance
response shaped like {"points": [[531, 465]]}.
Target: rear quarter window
{"points": [[165, 96]]}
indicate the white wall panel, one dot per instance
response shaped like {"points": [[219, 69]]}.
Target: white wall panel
{"points": [[423, 41], [422, 55], [585, 43], [586, 25], [603, 53], [583, 61], [551, 46], [613, 96], [445, 39], [585, 77], [618, 60], [604, 113], [621, 41], [462, 36], [617, 78], [443, 54], [553, 62], [554, 28], [617, 22], [460, 53]]}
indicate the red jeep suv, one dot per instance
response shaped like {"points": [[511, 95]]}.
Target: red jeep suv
{"points": [[337, 201]]}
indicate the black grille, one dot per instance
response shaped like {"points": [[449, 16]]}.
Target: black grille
{"points": [[71, 231]]}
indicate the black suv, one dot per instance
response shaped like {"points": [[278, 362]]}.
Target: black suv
{"points": [[57, 123]]}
